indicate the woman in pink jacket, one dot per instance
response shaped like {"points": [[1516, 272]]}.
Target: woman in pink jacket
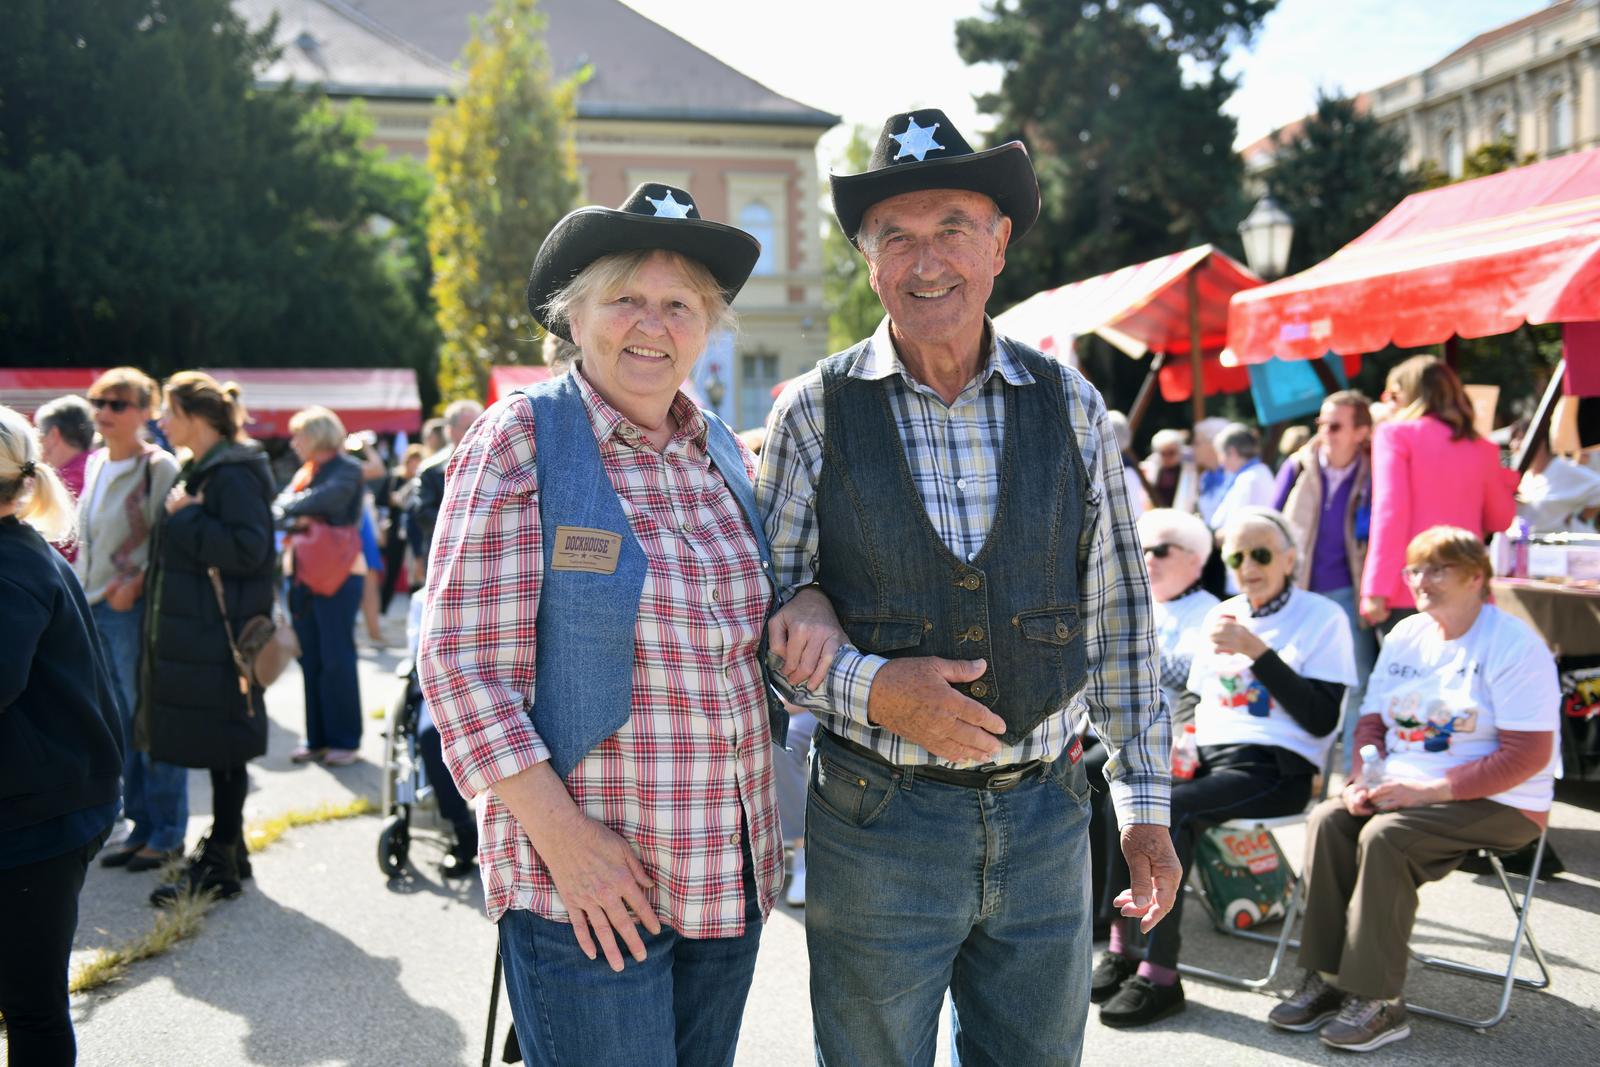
{"points": [[1429, 468]]}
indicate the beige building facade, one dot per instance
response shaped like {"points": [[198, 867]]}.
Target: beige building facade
{"points": [[654, 108]]}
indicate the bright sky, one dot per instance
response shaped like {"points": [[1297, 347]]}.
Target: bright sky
{"points": [[866, 60]]}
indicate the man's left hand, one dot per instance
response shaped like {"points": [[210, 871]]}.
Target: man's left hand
{"points": [[805, 634], [1392, 796], [1155, 875]]}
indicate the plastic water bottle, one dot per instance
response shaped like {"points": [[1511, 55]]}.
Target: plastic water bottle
{"points": [[1186, 757], [1521, 536], [1372, 767]]}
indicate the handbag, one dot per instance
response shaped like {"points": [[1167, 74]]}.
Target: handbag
{"points": [[1245, 875], [323, 555], [264, 646]]}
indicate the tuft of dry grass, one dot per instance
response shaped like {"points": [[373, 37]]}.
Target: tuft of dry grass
{"points": [[184, 917]]}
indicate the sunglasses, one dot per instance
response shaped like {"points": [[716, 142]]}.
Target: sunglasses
{"points": [[117, 406], [1235, 560], [1160, 551]]}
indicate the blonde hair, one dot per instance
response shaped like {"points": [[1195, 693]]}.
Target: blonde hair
{"points": [[1451, 546], [1425, 385], [28, 481], [609, 275], [323, 429], [200, 396], [131, 380]]}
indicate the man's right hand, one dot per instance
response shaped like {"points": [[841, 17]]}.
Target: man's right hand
{"points": [[913, 698]]}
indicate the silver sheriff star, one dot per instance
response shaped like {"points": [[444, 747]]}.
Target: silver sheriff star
{"points": [[917, 140], [669, 208]]}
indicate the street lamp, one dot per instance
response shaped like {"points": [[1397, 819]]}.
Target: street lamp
{"points": [[1267, 232]]}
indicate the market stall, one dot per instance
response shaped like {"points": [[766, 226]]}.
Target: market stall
{"points": [[381, 400], [1173, 309], [1474, 259]]}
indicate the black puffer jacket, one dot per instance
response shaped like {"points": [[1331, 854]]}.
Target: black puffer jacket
{"points": [[192, 712]]}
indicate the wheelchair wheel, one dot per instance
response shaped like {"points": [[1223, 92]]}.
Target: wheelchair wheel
{"points": [[394, 845]]}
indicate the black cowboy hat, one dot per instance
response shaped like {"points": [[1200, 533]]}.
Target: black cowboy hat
{"points": [[922, 150], [654, 216]]}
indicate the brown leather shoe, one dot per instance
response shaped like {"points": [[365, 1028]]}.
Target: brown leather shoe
{"points": [[1365, 1024], [1311, 1006]]}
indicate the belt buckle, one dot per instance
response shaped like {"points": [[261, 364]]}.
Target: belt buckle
{"points": [[1005, 780]]}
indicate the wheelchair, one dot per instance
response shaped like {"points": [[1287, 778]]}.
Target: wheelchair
{"points": [[405, 791]]}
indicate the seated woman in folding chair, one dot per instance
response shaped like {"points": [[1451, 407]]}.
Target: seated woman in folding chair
{"points": [[1463, 703], [1265, 689]]}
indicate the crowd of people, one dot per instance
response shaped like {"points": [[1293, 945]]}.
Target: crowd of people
{"points": [[984, 676]]}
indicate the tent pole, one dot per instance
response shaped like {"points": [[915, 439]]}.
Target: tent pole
{"points": [[1540, 427], [1197, 365], [1147, 392], [1330, 384]]}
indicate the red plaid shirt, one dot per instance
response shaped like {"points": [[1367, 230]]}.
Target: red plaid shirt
{"points": [[696, 753]]}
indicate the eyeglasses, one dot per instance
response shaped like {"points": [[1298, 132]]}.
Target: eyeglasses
{"points": [[117, 406], [1431, 573], [1160, 551], [1235, 560]]}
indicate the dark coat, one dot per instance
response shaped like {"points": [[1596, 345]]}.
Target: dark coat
{"points": [[192, 712], [60, 731], [334, 495]]}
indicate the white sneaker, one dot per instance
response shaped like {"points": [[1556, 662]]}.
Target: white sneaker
{"points": [[796, 896]]}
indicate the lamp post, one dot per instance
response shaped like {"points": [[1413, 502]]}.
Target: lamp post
{"points": [[1267, 233]]}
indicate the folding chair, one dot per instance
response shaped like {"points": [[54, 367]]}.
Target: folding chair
{"points": [[1282, 941], [1507, 977]]}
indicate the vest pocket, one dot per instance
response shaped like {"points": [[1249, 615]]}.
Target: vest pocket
{"points": [[1053, 626], [884, 633]]}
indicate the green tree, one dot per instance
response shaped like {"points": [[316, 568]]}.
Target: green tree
{"points": [[1336, 176], [162, 210], [504, 172], [854, 309], [1120, 106]]}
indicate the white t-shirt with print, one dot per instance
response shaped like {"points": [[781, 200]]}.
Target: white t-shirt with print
{"points": [[1180, 636], [1444, 703], [1310, 634]]}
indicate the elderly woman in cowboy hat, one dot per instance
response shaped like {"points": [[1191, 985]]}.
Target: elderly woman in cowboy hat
{"points": [[591, 652]]}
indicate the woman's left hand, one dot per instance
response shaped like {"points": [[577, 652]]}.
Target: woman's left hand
{"points": [[805, 634], [1230, 638], [1392, 796], [179, 499]]}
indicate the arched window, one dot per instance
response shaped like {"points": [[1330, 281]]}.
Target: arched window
{"points": [[1503, 130], [756, 219], [1454, 158], [1560, 122]]}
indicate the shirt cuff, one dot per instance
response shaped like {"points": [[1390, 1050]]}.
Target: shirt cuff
{"points": [[1142, 799], [480, 760], [850, 683]]}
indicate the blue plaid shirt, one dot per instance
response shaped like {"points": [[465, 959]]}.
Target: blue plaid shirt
{"points": [[953, 452]]}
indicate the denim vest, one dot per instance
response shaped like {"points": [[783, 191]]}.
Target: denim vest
{"points": [[586, 619], [898, 588]]}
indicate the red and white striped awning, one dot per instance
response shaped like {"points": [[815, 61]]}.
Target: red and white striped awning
{"points": [[382, 400]]}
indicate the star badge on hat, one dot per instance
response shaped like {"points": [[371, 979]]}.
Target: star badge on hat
{"points": [[669, 208], [916, 140]]}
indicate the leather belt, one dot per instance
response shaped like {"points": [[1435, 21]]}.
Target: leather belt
{"points": [[994, 779]]}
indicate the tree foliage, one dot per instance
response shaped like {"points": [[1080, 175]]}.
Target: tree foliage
{"points": [[163, 211], [1336, 176], [1120, 105], [504, 171], [854, 309]]}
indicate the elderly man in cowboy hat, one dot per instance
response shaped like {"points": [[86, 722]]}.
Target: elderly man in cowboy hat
{"points": [[959, 500]]}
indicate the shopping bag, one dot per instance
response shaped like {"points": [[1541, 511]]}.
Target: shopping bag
{"points": [[1245, 875]]}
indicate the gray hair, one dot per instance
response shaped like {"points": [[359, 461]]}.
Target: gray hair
{"points": [[1120, 429], [1173, 527], [1237, 437], [69, 416], [1263, 518], [868, 242], [459, 416], [1168, 438]]}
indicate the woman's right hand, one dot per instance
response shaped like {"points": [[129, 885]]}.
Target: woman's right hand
{"points": [[1356, 801], [602, 883]]}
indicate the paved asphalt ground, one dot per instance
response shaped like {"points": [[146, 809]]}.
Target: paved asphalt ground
{"points": [[324, 962]]}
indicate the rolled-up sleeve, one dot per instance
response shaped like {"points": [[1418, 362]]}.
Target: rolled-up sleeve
{"points": [[1123, 693], [476, 654]]}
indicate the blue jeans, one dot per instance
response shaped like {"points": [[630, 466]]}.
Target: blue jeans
{"points": [[1366, 647], [326, 628], [155, 795], [916, 886], [681, 1006]]}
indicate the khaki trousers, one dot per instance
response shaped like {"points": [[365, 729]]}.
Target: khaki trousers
{"points": [[1363, 873]]}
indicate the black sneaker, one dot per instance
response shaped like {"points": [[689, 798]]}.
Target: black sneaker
{"points": [[212, 872], [1314, 1003], [1141, 1001], [1109, 974]]}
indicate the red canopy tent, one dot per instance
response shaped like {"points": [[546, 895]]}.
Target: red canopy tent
{"points": [[1471, 260], [503, 381], [1160, 307], [381, 400]]}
